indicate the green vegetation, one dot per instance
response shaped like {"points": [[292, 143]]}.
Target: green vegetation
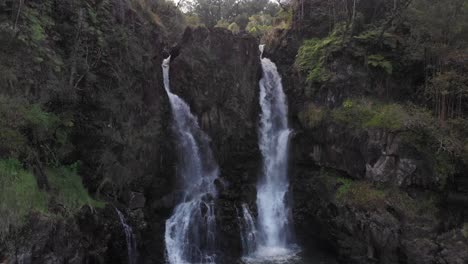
{"points": [[417, 127], [361, 194], [68, 190], [312, 116], [369, 114], [258, 17], [19, 195], [379, 61], [313, 54]]}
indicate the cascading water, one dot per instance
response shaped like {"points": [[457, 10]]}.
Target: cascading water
{"points": [[190, 231], [274, 227], [248, 231], [130, 238]]}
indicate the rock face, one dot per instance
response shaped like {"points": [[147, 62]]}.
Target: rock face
{"points": [[375, 155], [87, 238]]}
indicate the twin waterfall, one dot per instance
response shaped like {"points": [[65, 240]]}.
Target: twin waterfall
{"points": [[190, 231]]}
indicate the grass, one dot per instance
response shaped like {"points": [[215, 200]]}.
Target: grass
{"points": [[361, 194], [19, 195], [68, 189]]}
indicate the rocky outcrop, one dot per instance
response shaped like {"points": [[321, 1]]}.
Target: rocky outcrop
{"points": [[370, 233], [376, 155], [89, 237]]}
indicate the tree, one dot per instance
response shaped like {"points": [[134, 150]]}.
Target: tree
{"points": [[212, 11]]}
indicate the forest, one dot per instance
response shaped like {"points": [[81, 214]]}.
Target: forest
{"points": [[157, 131]]}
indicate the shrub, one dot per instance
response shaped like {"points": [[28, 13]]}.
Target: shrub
{"points": [[313, 54], [379, 61], [234, 28], [311, 116], [390, 116], [368, 114], [68, 189], [354, 113], [19, 195]]}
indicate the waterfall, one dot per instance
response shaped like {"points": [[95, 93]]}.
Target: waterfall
{"points": [[248, 231], [130, 238], [190, 231], [274, 226]]}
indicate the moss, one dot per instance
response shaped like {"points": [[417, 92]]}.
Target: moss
{"points": [[412, 207], [344, 184], [361, 194], [313, 54], [19, 195], [68, 189], [312, 116]]}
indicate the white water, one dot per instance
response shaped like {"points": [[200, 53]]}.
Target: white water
{"points": [[248, 231], [190, 231], [130, 238], [274, 226]]}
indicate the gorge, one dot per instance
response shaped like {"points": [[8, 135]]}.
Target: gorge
{"points": [[142, 132]]}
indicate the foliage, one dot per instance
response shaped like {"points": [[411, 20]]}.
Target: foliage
{"points": [[440, 145], [22, 123], [222, 24], [361, 194], [311, 116], [379, 61], [68, 189], [19, 195], [259, 24], [368, 114], [313, 54], [212, 11], [194, 21], [234, 28]]}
